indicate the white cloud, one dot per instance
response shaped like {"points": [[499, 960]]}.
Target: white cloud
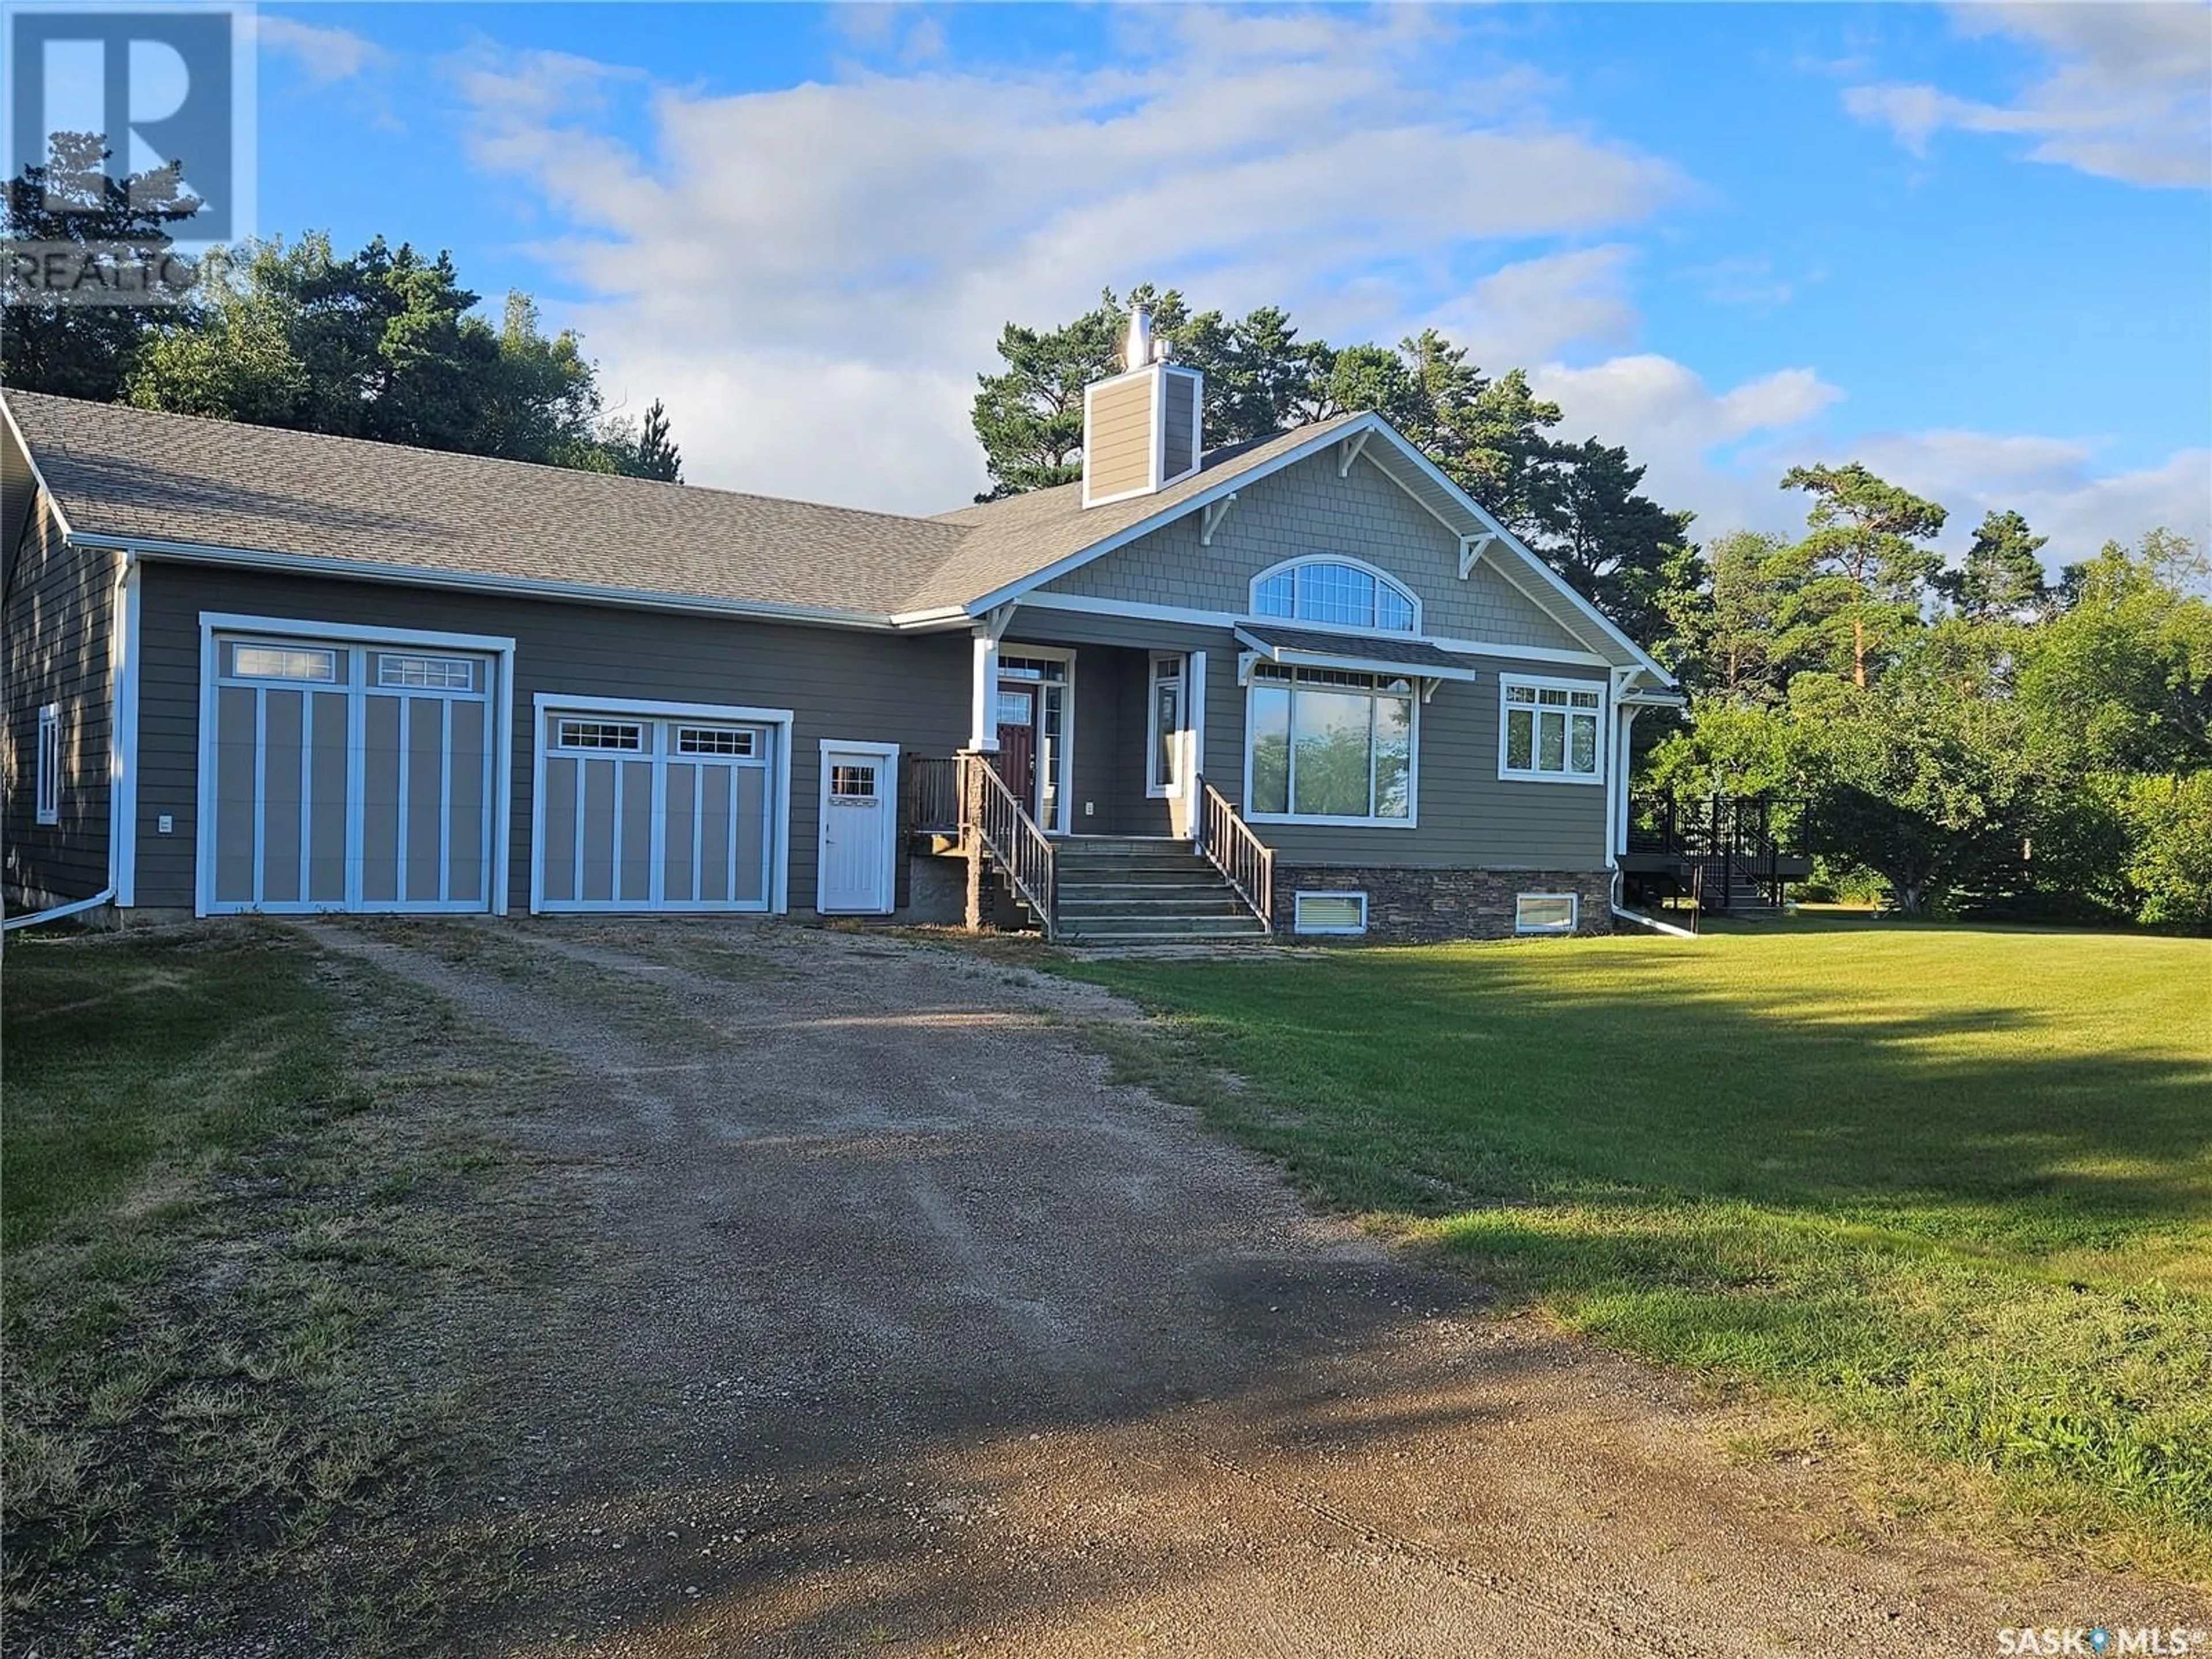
{"points": [[1532, 310], [2129, 95], [776, 251], [1722, 454], [325, 55]]}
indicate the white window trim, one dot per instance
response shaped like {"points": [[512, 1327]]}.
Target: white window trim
{"points": [[1252, 598], [1510, 774], [1302, 931], [888, 754], [499, 648], [1412, 818], [50, 764], [1574, 916], [548, 703], [1172, 788]]}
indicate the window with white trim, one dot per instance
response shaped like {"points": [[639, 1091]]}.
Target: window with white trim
{"points": [[1551, 731], [1545, 913], [50, 764], [1328, 912], [1164, 720], [620, 735], [1335, 593], [1330, 746]]}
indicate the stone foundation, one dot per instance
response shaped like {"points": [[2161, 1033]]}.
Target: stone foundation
{"points": [[1413, 906]]}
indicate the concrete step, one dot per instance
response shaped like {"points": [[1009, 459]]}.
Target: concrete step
{"points": [[1128, 928], [1139, 882], [1195, 903]]}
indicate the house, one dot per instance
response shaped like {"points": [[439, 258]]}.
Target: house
{"points": [[1305, 685]]}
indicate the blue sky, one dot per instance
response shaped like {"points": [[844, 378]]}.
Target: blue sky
{"points": [[1971, 246]]}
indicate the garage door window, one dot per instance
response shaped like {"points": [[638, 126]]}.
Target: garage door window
{"points": [[434, 673], [713, 740], [282, 662], [619, 735]]}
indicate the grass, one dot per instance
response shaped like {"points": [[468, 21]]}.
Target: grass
{"points": [[1951, 1187], [218, 1218]]}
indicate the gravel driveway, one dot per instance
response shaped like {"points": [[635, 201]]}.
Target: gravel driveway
{"points": [[896, 1326]]}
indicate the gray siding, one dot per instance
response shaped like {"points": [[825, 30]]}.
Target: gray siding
{"points": [[58, 628], [1305, 509], [911, 691], [1180, 422], [1465, 816]]}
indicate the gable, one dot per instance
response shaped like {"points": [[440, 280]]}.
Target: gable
{"points": [[1306, 508]]}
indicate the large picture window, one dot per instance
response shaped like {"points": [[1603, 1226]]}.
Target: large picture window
{"points": [[1330, 747], [1335, 593], [1549, 730]]}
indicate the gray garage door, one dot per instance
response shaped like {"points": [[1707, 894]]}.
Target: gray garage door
{"points": [[644, 813], [347, 777]]}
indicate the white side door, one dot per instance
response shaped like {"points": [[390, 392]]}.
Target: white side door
{"points": [[859, 828]]}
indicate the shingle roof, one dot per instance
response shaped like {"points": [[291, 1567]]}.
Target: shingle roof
{"points": [[128, 473], [136, 474]]}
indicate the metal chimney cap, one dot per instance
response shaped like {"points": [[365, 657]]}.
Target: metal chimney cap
{"points": [[1137, 348]]}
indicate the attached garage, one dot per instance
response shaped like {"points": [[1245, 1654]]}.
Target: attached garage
{"points": [[349, 772], [645, 807]]}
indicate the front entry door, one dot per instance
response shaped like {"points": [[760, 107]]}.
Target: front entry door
{"points": [[860, 830], [1017, 726]]}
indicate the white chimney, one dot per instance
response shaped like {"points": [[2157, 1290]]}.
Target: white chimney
{"points": [[1141, 427]]}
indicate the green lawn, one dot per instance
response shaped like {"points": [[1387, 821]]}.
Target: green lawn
{"points": [[1951, 1186], [211, 1211]]}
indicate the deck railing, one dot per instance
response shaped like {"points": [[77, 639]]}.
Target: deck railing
{"points": [[1736, 843], [1228, 844], [933, 794], [1010, 836]]}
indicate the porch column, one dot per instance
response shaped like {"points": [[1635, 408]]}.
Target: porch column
{"points": [[971, 842], [1625, 714], [983, 712]]}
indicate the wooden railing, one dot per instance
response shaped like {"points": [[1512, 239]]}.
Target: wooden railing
{"points": [[933, 794], [1228, 844], [1736, 843], [1011, 836]]}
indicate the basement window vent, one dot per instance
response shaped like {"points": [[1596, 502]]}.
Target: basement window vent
{"points": [[1545, 913], [1328, 912]]}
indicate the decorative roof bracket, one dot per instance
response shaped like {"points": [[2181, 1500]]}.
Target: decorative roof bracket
{"points": [[1348, 452], [1210, 519], [1471, 550]]}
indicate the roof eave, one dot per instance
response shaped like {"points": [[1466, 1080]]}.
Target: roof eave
{"points": [[478, 582]]}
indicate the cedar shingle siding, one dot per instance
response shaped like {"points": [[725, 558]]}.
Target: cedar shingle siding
{"points": [[59, 622], [1306, 508]]}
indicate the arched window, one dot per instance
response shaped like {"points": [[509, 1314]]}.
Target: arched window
{"points": [[1336, 593]]}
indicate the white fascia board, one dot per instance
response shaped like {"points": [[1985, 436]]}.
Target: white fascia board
{"points": [[1099, 549], [53, 501], [526, 587]]}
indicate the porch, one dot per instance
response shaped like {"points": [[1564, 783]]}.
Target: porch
{"points": [[1080, 804]]}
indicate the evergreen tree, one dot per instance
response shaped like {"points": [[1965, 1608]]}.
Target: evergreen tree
{"points": [[2002, 575], [1869, 561]]}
